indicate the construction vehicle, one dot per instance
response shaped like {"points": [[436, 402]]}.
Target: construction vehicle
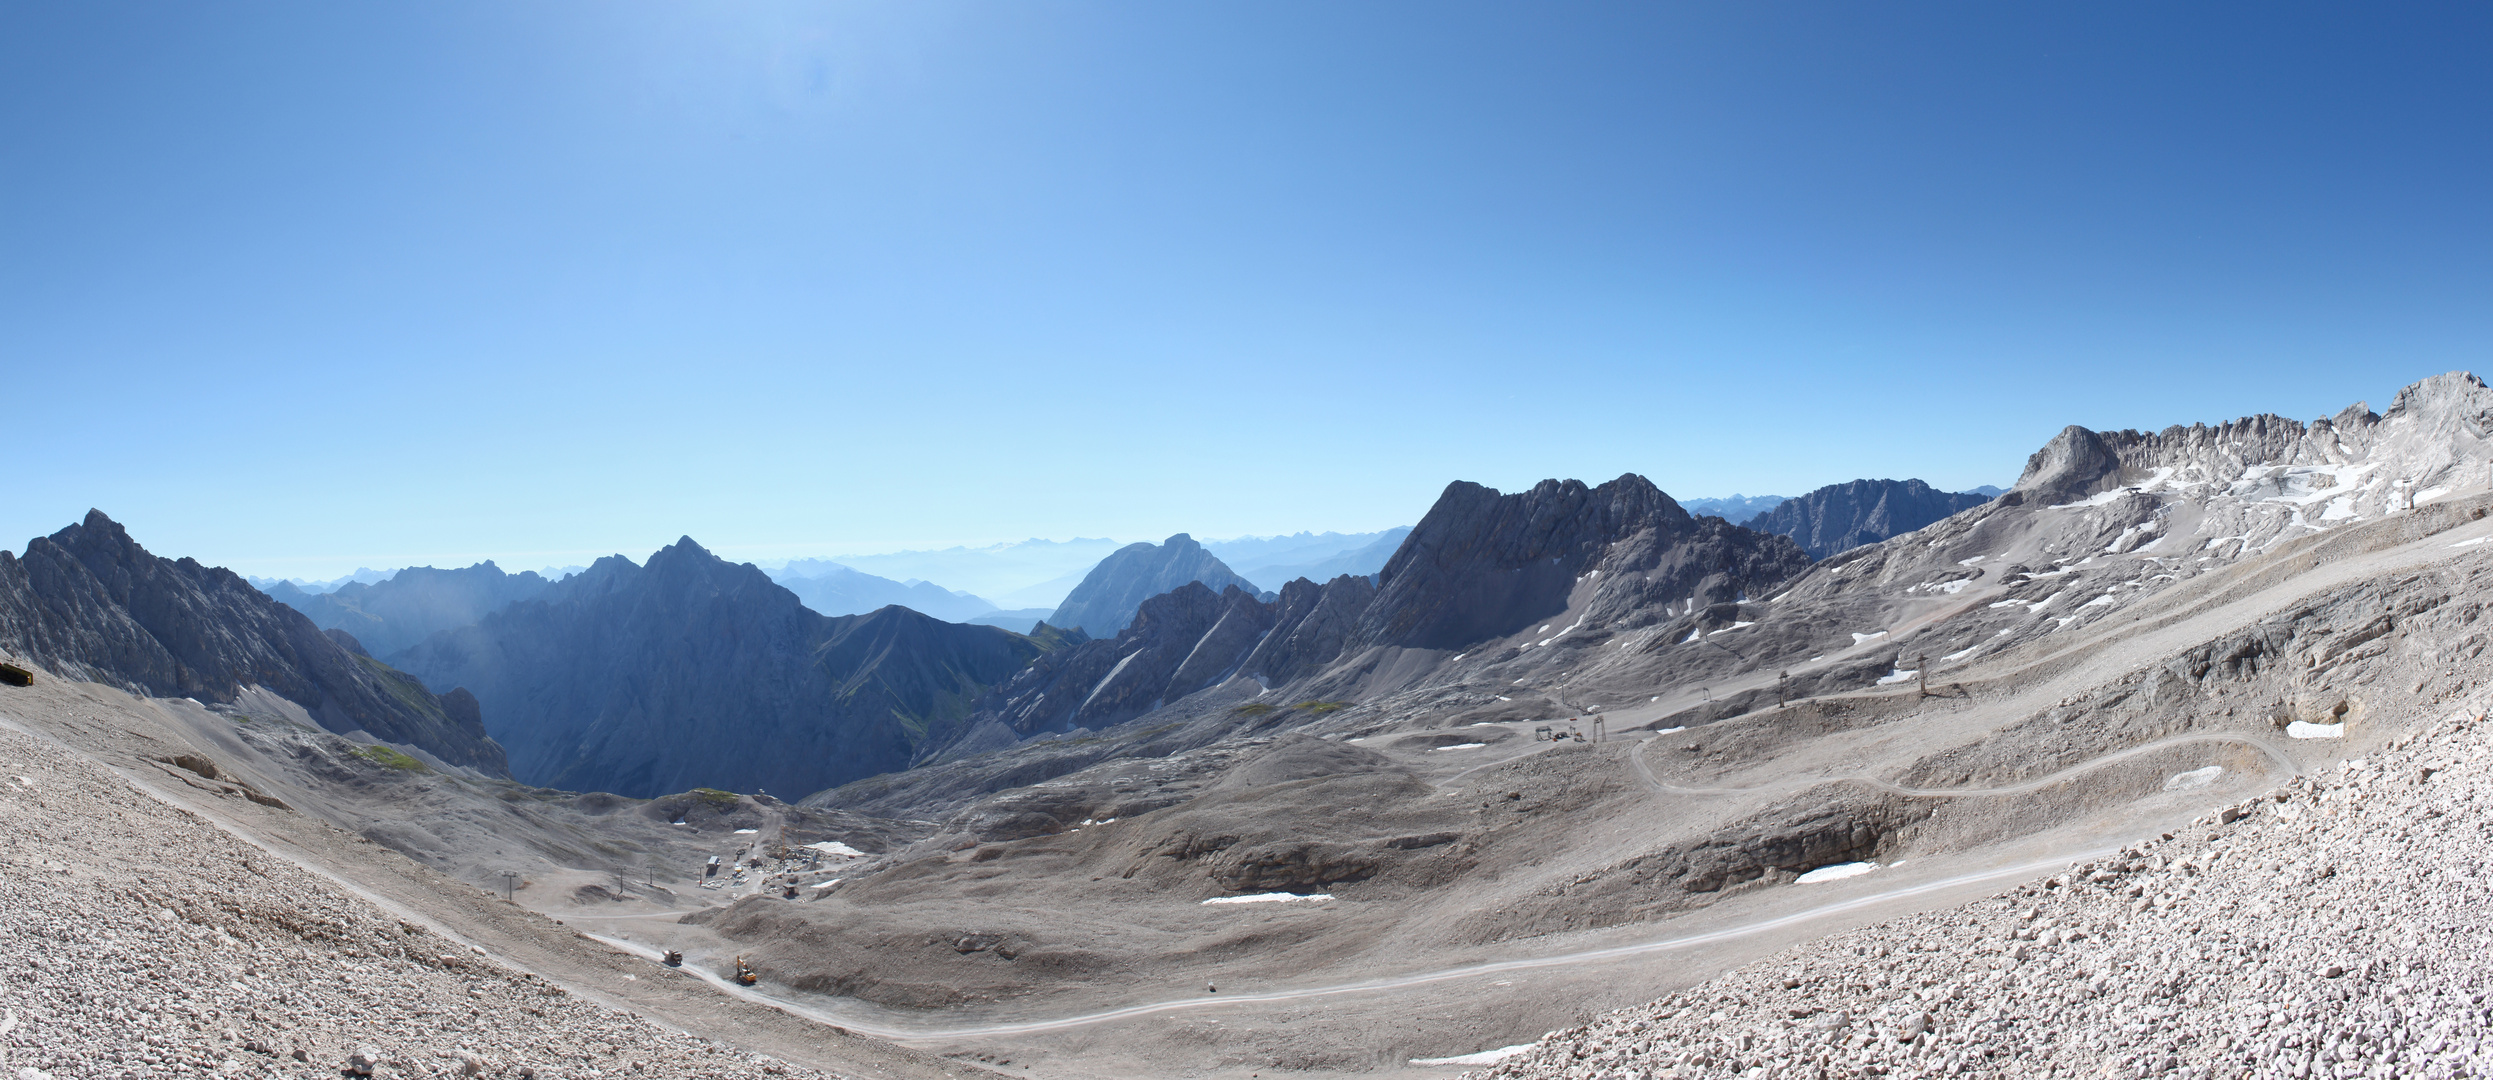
{"points": [[745, 975], [675, 958]]}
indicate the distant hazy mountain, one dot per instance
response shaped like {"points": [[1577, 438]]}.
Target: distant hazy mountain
{"points": [[1322, 557], [1110, 594], [695, 672], [363, 575], [415, 603], [1027, 573], [833, 589], [1364, 561], [1840, 517], [1737, 508], [1988, 491], [88, 602], [1019, 620]]}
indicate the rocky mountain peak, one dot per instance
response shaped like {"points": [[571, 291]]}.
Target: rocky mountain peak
{"points": [[1839, 517], [1108, 597], [1482, 564], [2075, 464], [89, 602]]}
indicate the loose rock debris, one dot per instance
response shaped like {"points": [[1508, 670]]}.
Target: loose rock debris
{"points": [[2335, 927], [145, 942]]}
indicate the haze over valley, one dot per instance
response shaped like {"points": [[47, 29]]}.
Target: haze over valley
{"points": [[1119, 541]]}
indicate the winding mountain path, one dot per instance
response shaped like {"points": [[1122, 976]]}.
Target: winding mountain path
{"points": [[1644, 772]]}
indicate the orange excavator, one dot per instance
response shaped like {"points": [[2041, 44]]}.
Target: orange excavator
{"points": [[745, 975]]}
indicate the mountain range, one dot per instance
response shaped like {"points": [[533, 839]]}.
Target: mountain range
{"points": [[1840, 517], [88, 602], [389, 615], [833, 589], [1735, 508], [1114, 590], [691, 671]]}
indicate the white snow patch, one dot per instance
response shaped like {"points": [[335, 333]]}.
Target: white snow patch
{"points": [[1672, 730], [1485, 1057], [1693, 635], [1859, 638], [834, 847], [2102, 498], [1268, 898], [1898, 675], [2098, 601], [1837, 872], [1464, 746], [2195, 778], [1544, 628], [2301, 730], [826, 884], [746, 832], [1735, 626], [1503, 697], [2474, 542], [1971, 561], [2009, 603], [1961, 653], [1488, 723]]}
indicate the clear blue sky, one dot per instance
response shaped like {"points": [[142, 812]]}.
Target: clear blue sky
{"points": [[297, 287]]}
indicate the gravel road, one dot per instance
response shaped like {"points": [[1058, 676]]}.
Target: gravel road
{"points": [[2335, 927]]}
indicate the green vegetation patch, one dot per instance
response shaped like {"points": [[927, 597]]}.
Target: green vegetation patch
{"points": [[1322, 706], [390, 758], [1255, 708], [715, 797]]}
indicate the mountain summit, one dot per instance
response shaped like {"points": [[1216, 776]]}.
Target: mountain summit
{"points": [[692, 671], [1840, 517], [88, 602], [1114, 590]]}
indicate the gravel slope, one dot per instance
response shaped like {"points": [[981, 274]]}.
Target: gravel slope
{"points": [[2334, 927], [144, 941]]}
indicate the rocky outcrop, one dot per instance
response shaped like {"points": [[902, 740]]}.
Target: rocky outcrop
{"points": [[1840, 517], [1180, 642], [88, 602], [388, 617], [1483, 565], [695, 672], [1114, 591], [1311, 624]]}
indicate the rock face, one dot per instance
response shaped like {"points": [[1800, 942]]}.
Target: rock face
{"points": [[695, 672], [1180, 643], [390, 616], [1840, 517], [1108, 598], [88, 602], [1484, 565]]}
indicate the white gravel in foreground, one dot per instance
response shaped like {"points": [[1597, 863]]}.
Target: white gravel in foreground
{"points": [[141, 941], [2337, 927]]}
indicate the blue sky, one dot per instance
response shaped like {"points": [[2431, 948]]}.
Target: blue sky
{"points": [[300, 287]]}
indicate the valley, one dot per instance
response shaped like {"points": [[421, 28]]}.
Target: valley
{"points": [[1572, 751]]}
